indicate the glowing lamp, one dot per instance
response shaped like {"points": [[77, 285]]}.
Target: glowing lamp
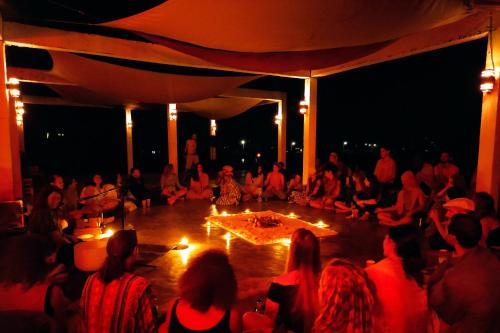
{"points": [[247, 211], [292, 215], [224, 213], [487, 80], [19, 104], [15, 92], [20, 111], [172, 111], [213, 127], [13, 81], [258, 155], [303, 107], [277, 119]]}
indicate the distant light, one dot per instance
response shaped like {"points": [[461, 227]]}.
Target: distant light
{"points": [[293, 143], [242, 160], [153, 152], [242, 142], [258, 155], [346, 143], [374, 145], [48, 134]]}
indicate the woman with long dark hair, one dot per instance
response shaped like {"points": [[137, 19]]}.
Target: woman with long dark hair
{"points": [[208, 290], [199, 184], [346, 299], [27, 276], [401, 300], [292, 300], [138, 189], [114, 299]]}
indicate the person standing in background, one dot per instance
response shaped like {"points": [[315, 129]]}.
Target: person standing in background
{"points": [[190, 152]]}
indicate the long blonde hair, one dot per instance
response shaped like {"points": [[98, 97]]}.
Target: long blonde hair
{"points": [[346, 299], [304, 257]]}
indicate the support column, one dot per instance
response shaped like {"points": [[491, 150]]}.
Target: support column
{"points": [[282, 130], [172, 135], [10, 171], [309, 151], [488, 164], [130, 142], [15, 149]]}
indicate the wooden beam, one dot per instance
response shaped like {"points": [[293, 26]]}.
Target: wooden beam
{"points": [[24, 35], [40, 100], [36, 76]]}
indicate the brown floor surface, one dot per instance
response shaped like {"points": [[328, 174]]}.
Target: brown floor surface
{"points": [[161, 227]]}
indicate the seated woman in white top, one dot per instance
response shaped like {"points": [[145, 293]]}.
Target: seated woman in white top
{"points": [[199, 187], [98, 197], [400, 301], [411, 200]]}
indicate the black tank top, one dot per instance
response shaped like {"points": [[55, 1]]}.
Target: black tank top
{"points": [[176, 327]]}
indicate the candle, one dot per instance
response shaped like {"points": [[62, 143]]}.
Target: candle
{"points": [[321, 224]]}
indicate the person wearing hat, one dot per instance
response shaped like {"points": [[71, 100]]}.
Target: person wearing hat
{"points": [[465, 290], [453, 207], [229, 189]]}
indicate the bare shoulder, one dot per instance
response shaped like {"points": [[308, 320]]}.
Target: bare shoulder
{"points": [[286, 279]]}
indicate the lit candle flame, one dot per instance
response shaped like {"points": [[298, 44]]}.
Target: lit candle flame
{"points": [[286, 241], [247, 211], [291, 215], [107, 234], [321, 224], [227, 237]]}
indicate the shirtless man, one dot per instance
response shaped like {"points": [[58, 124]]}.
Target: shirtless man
{"points": [[275, 184], [190, 152]]}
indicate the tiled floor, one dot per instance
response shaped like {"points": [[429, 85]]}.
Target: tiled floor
{"points": [[161, 227]]}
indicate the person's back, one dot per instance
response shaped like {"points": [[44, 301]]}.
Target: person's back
{"points": [[402, 304], [471, 291], [114, 300], [121, 305], [184, 319], [465, 290]]}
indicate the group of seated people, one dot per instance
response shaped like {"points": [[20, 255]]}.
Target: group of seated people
{"points": [[392, 295]]}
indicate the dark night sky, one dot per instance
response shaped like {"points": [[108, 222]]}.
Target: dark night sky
{"points": [[425, 102]]}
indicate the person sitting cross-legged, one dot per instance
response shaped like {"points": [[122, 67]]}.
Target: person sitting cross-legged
{"points": [[411, 201], [275, 184], [170, 187], [331, 190], [199, 186], [229, 189]]}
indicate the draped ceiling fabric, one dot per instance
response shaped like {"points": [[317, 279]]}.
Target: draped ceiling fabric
{"points": [[101, 81], [282, 37], [219, 108]]}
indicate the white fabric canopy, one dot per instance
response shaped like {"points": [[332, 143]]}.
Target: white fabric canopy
{"points": [[298, 25]]}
